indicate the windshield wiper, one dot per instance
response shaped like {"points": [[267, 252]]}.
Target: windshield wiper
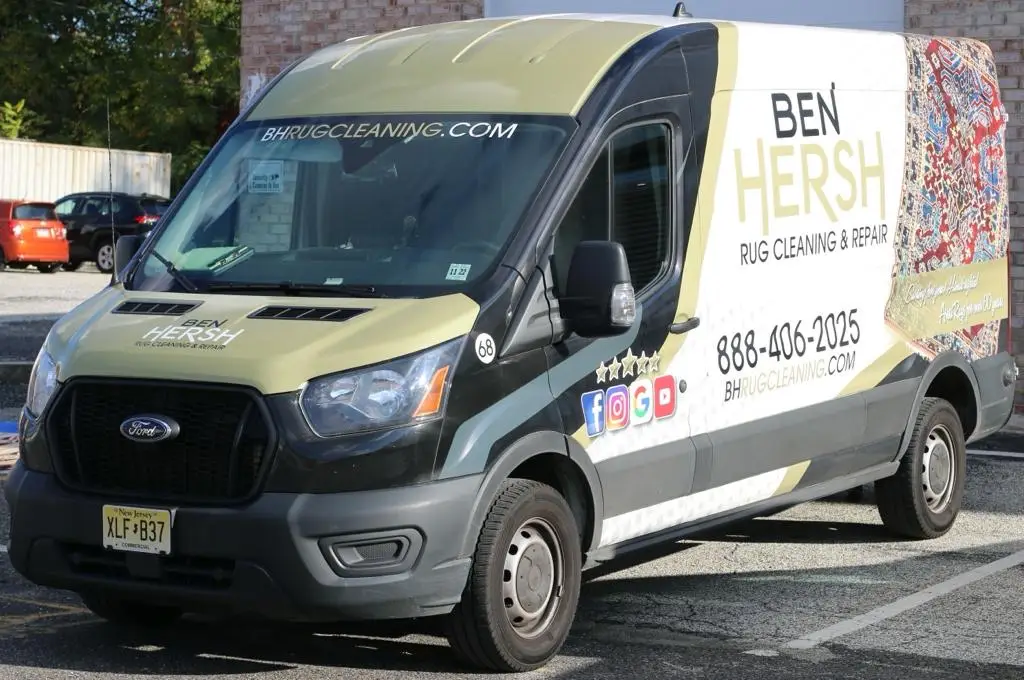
{"points": [[291, 288], [183, 280]]}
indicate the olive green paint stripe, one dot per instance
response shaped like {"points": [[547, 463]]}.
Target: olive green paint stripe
{"points": [[874, 373], [794, 473]]}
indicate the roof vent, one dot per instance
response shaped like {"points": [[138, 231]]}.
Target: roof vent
{"points": [[286, 313], [150, 308], [680, 11]]}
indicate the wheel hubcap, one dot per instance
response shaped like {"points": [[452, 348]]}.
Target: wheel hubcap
{"points": [[938, 471], [104, 258], [532, 578]]}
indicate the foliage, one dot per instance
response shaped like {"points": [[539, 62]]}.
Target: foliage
{"points": [[18, 122], [169, 70]]}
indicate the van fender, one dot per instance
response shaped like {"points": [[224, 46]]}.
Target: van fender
{"points": [[943, 361], [523, 449]]}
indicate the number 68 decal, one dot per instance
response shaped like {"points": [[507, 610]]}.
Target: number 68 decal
{"points": [[485, 348]]}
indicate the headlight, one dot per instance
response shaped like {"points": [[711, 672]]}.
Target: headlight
{"points": [[41, 383], [401, 392]]}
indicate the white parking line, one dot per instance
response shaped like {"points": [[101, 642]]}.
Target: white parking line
{"points": [[905, 604], [995, 454]]}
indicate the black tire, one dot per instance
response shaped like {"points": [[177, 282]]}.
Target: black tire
{"points": [[479, 630], [904, 499], [73, 265], [17, 265], [103, 254], [131, 612], [47, 268]]}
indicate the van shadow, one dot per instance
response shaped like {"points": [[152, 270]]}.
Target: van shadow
{"points": [[202, 646]]}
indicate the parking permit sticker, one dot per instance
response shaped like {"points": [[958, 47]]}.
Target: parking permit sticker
{"points": [[458, 272], [266, 177], [485, 350]]}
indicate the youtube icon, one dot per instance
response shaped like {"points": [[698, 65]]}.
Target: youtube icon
{"points": [[664, 396]]}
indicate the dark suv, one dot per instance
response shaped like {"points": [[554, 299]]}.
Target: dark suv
{"points": [[91, 231]]}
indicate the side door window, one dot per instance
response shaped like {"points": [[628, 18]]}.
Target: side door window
{"points": [[95, 206], [65, 208], [626, 197]]}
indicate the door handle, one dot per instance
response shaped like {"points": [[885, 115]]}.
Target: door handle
{"points": [[684, 326]]}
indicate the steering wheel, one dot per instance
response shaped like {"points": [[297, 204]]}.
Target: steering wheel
{"points": [[478, 245]]}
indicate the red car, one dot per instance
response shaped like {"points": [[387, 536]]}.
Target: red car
{"points": [[31, 234]]}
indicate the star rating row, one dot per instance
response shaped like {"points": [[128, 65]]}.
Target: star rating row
{"points": [[630, 365]]}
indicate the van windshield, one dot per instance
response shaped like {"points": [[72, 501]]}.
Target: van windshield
{"points": [[402, 206]]}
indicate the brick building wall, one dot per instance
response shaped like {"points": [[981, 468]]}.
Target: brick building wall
{"points": [[1000, 23], [276, 32]]}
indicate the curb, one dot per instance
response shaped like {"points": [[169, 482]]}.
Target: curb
{"points": [[15, 371]]}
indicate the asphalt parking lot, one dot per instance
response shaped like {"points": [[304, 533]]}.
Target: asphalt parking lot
{"points": [[27, 294], [819, 591]]}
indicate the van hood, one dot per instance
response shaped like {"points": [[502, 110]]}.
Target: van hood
{"points": [[227, 338]]}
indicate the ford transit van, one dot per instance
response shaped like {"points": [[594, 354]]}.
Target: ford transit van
{"points": [[454, 313]]}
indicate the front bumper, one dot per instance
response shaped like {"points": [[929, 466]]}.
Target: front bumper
{"points": [[272, 557]]}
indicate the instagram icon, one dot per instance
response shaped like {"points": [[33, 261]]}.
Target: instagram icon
{"points": [[617, 406]]}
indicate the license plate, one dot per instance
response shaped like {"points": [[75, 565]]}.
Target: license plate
{"points": [[143, 530], [44, 233]]}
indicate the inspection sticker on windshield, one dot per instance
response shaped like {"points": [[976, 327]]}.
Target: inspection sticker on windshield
{"points": [[266, 177], [458, 272]]}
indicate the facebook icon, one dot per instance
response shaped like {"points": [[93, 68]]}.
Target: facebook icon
{"points": [[593, 412]]}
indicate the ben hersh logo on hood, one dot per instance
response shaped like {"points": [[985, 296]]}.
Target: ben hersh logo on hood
{"points": [[191, 334]]}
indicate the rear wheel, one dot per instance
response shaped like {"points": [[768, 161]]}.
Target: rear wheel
{"points": [[48, 268], [131, 612], [520, 602], [105, 255], [923, 498]]}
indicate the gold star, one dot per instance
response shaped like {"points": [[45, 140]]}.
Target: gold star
{"points": [[654, 363], [613, 369], [642, 364], [628, 362], [602, 373]]}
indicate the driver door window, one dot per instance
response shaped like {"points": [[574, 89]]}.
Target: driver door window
{"points": [[626, 197]]}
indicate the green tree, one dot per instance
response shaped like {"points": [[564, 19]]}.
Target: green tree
{"points": [[169, 70]]}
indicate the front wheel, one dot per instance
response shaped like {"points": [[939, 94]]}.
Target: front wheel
{"points": [[131, 612], [105, 256], [922, 500], [520, 602]]}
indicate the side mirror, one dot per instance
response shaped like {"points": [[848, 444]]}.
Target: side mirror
{"points": [[598, 300], [124, 250]]}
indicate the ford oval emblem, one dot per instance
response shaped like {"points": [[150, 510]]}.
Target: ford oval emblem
{"points": [[149, 429]]}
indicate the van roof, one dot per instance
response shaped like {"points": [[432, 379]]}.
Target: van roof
{"points": [[537, 64], [543, 64]]}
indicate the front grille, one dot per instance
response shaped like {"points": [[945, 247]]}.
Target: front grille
{"points": [[219, 454]]}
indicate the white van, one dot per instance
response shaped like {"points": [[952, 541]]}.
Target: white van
{"points": [[454, 313]]}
